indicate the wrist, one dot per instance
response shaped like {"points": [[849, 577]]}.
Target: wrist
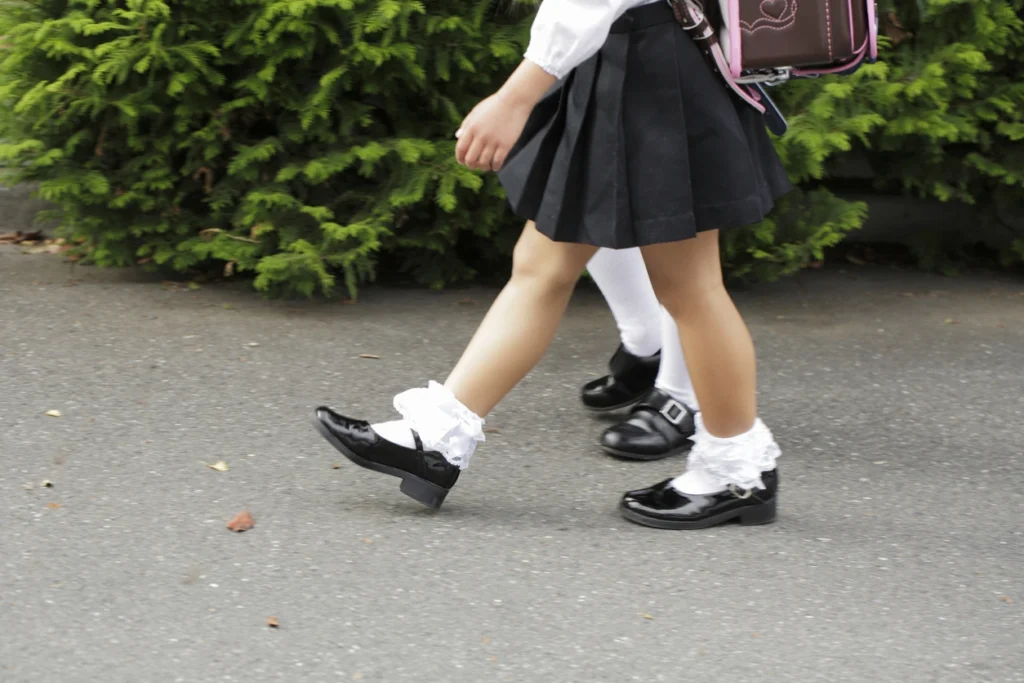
{"points": [[527, 84]]}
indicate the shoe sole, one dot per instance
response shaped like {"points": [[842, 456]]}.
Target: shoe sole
{"points": [[422, 491], [752, 515], [626, 455]]}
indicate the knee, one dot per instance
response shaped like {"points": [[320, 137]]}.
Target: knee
{"points": [[536, 263], [683, 299]]}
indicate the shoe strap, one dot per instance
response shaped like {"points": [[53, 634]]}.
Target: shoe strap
{"points": [[417, 440], [660, 402]]}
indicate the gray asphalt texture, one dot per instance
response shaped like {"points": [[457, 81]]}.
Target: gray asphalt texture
{"points": [[898, 399]]}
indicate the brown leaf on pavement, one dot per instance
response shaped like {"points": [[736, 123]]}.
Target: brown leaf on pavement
{"points": [[272, 622], [492, 430], [53, 413], [369, 356], [243, 521], [53, 506], [220, 466], [19, 237]]}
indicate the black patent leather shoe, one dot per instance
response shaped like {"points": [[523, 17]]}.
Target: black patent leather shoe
{"points": [[663, 507], [630, 378], [426, 476], [659, 427]]}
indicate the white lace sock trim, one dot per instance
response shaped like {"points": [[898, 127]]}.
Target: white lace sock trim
{"points": [[715, 463], [443, 423]]}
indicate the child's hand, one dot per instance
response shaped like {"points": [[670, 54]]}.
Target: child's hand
{"points": [[490, 131], [494, 126]]}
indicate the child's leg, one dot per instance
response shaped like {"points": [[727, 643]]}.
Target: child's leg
{"points": [[522, 321], [511, 339], [731, 471], [673, 376], [718, 349], [621, 275]]}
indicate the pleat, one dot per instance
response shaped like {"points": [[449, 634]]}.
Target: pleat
{"points": [[642, 144], [570, 159]]}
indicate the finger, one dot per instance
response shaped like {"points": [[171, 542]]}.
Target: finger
{"points": [[473, 155], [462, 146], [486, 157], [500, 154]]}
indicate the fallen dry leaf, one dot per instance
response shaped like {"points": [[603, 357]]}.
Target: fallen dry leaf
{"points": [[53, 506], [273, 623], [54, 413], [1007, 599], [46, 484], [220, 466], [48, 248], [492, 430], [229, 269], [369, 356], [950, 321], [194, 286], [19, 237], [228, 306], [253, 344], [336, 466], [647, 616], [243, 521]]}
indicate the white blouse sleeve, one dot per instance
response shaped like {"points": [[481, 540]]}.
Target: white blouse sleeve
{"points": [[568, 32]]}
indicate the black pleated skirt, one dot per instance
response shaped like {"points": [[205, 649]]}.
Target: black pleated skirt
{"points": [[642, 144]]}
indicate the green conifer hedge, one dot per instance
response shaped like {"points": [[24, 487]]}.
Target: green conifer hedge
{"points": [[309, 142]]}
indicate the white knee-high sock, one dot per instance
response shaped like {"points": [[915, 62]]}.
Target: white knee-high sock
{"points": [[622, 278], [673, 375]]}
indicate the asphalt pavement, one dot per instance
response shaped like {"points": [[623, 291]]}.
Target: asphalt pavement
{"points": [[898, 399]]}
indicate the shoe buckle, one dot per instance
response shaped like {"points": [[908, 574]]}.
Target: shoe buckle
{"points": [[742, 494], [674, 411]]}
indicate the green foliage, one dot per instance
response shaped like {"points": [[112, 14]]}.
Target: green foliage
{"points": [[292, 139], [940, 116], [309, 142]]}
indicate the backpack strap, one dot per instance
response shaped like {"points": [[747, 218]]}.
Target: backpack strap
{"points": [[691, 16]]}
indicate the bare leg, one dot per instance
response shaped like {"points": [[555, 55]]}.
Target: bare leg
{"points": [[687, 276], [522, 321]]}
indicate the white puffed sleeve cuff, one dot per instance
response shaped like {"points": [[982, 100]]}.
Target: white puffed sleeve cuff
{"points": [[566, 33]]}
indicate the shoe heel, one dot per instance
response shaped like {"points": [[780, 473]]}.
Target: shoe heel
{"points": [[424, 492], [759, 514]]}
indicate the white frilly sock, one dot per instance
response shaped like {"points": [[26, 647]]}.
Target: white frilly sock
{"points": [[442, 422], [715, 463]]}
